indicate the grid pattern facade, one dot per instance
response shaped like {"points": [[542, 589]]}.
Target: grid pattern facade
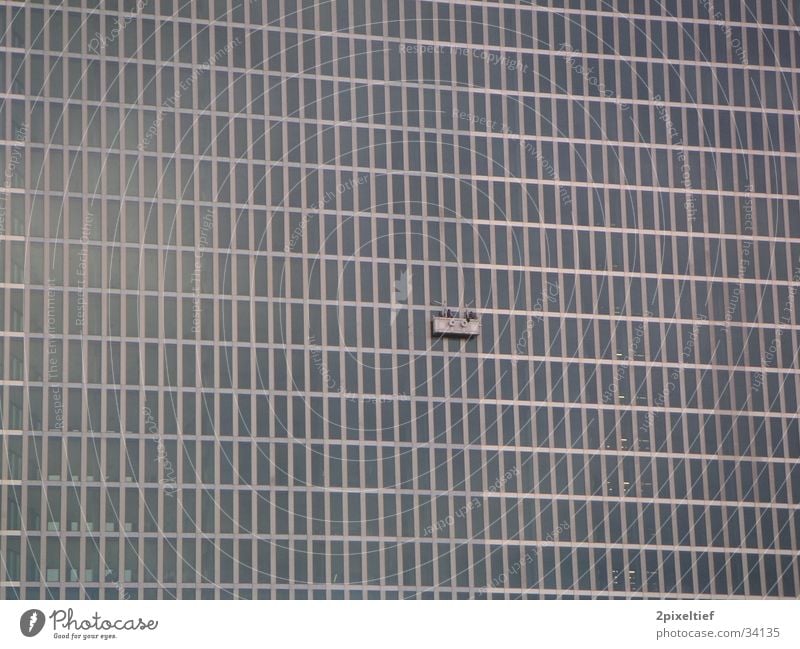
{"points": [[226, 226]]}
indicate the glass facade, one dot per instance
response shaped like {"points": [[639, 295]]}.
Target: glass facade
{"points": [[226, 226]]}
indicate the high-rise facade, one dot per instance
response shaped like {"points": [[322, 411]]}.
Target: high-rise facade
{"points": [[227, 227]]}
